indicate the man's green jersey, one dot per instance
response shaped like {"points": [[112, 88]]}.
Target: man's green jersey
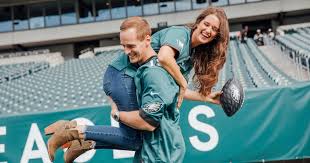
{"points": [[157, 96]]}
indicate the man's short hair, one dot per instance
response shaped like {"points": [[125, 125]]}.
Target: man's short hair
{"points": [[141, 25]]}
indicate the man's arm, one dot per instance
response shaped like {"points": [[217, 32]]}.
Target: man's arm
{"points": [[131, 119], [148, 117], [134, 120]]}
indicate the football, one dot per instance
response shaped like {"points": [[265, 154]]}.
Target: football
{"points": [[232, 96]]}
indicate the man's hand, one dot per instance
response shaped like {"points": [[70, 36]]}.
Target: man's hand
{"points": [[214, 98], [182, 90]]}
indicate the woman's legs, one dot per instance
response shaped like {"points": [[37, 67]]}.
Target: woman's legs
{"points": [[107, 137], [121, 88], [101, 137], [122, 91]]}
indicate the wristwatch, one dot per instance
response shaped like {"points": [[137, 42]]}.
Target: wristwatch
{"points": [[116, 116]]}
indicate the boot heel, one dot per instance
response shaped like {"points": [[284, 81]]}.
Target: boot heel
{"points": [[76, 149], [61, 136], [67, 145]]}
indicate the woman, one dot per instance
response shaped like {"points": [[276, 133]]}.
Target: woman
{"points": [[203, 48], [201, 45]]}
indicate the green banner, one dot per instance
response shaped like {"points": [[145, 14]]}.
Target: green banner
{"points": [[273, 124]]}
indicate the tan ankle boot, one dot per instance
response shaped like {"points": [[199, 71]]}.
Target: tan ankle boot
{"points": [[61, 123], [59, 138], [76, 149]]}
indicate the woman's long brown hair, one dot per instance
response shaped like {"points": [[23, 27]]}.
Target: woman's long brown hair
{"points": [[208, 59]]}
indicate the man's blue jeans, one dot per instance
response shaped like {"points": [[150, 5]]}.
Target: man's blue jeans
{"points": [[121, 88]]}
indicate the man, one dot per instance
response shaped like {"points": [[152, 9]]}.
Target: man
{"points": [[157, 97], [157, 91], [259, 38]]}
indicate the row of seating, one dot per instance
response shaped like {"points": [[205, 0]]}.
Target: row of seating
{"points": [[305, 38], [223, 75], [297, 44], [76, 83], [52, 58], [108, 52], [304, 34], [257, 75], [15, 71], [307, 30], [293, 27], [24, 53], [273, 72], [237, 66], [296, 41], [100, 50]]}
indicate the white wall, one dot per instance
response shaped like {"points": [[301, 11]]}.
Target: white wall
{"points": [[67, 50]]}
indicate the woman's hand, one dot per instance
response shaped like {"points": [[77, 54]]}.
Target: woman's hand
{"points": [[213, 98]]}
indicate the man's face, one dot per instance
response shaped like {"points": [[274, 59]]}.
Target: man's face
{"points": [[133, 47]]}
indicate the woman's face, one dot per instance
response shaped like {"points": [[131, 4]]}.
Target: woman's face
{"points": [[207, 29]]}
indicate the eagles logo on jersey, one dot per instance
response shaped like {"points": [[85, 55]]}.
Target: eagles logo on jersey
{"points": [[152, 107]]}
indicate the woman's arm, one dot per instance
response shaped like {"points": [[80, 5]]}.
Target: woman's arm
{"points": [[166, 58], [213, 97]]}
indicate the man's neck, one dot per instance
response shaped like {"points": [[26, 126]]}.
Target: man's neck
{"points": [[147, 55]]}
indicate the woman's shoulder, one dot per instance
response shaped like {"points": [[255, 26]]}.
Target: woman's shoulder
{"points": [[174, 29], [179, 29]]}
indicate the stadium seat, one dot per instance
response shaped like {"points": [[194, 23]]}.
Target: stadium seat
{"points": [[76, 83]]}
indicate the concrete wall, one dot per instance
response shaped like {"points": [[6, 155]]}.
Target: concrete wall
{"points": [[109, 42], [294, 20], [66, 50]]}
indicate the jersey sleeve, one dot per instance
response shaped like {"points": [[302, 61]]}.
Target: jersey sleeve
{"points": [[156, 95], [175, 38]]}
